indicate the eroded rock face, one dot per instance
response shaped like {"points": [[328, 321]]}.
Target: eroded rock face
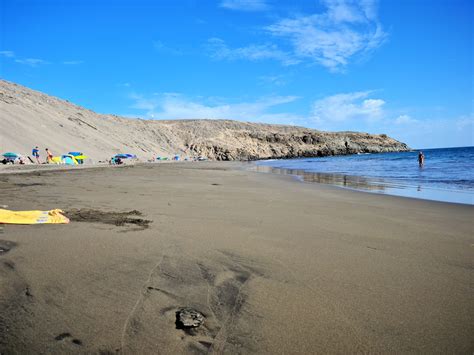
{"points": [[295, 144]]}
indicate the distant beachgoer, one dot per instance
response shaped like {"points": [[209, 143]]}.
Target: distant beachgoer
{"points": [[35, 153], [49, 156], [421, 158]]}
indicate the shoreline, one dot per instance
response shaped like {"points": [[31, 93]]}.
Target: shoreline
{"points": [[274, 265], [339, 181], [388, 174], [372, 185]]}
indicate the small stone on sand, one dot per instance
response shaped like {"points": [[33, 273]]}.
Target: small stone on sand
{"points": [[189, 318]]}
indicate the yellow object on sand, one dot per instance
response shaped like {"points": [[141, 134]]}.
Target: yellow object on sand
{"points": [[32, 217], [56, 160]]}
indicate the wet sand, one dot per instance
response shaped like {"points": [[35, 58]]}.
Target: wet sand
{"points": [[276, 266]]}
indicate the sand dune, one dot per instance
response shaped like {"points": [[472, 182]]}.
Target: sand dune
{"points": [[32, 118]]}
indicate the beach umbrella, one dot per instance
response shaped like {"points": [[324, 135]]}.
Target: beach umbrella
{"points": [[12, 155]]}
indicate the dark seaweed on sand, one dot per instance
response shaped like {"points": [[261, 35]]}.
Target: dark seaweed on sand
{"points": [[115, 218]]}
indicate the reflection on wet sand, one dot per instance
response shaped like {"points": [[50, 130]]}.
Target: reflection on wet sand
{"points": [[376, 185], [349, 181]]}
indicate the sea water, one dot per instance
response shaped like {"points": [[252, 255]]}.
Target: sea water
{"points": [[447, 175]]}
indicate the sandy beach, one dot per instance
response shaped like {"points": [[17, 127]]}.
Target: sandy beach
{"points": [[276, 266]]}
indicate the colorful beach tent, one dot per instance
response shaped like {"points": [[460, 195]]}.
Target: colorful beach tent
{"points": [[79, 156], [68, 159], [32, 217]]}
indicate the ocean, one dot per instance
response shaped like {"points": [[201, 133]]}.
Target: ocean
{"points": [[447, 175]]}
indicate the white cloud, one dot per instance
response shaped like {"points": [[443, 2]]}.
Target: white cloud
{"points": [[344, 107], [32, 62], [432, 133], [176, 106], [7, 54], [466, 123], [334, 37], [219, 50], [347, 29], [245, 5], [404, 119], [73, 62]]}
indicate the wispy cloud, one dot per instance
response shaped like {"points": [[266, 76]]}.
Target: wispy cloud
{"points": [[32, 62], [348, 106], [7, 54], [332, 38], [404, 119], [73, 62], [466, 123], [218, 49], [245, 5], [347, 29], [176, 106], [431, 133], [363, 111]]}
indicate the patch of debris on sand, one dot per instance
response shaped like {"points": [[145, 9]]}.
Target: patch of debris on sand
{"points": [[115, 218]]}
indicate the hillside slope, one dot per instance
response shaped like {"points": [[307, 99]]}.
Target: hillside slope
{"points": [[32, 118]]}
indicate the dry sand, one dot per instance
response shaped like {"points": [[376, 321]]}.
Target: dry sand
{"points": [[276, 266]]}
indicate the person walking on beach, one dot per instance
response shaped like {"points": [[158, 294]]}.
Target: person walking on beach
{"points": [[35, 153], [421, 159], [49, 156]]}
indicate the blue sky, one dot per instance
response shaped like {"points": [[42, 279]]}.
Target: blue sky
{"points": [[404, 68]]}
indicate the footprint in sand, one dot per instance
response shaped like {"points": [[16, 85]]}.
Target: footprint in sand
{"points": [[6, 246], [67, 336], [215, 288]]}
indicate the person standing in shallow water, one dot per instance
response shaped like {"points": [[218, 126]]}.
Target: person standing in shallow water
{"points": [[421, 159]]}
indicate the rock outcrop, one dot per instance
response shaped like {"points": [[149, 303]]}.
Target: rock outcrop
{"points": [[32, 118]]}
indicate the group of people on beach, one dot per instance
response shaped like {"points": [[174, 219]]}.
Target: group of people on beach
{"points": [[36, 155]]}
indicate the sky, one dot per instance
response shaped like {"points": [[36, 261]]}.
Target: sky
{"points": [[399, 67]]}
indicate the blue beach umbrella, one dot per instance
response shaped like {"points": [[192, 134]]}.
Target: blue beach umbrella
{"points": [[12, 155]]}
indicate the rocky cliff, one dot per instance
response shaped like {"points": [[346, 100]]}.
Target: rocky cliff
{"points": [[32, 118]]}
